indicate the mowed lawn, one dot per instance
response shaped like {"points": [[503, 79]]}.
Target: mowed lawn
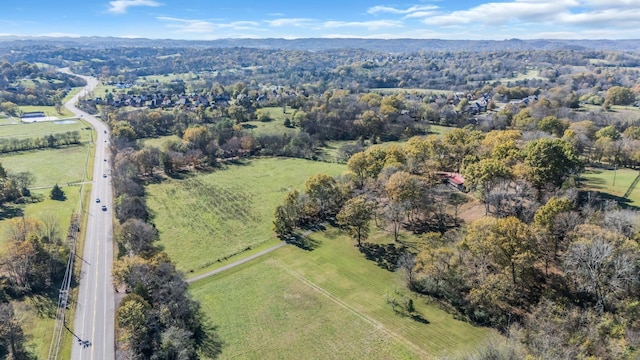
{"points": [[211, 216], [613, 182], [329, 303]]}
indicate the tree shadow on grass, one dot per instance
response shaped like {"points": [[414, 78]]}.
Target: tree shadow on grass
{"points": [[10, 211], [182, 175], [419, 318], [432, 224], [386, 256], [304, 242], [624, 203]]}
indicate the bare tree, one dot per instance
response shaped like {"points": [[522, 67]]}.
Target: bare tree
{"points": [[622, 221], [601, 269]]}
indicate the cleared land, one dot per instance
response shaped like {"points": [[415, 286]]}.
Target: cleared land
{"points": [[209, 217], [48, 111], [616, 183], [331, 150], [529, 75], [159, 142], [50, 166], [40, 129], [329, 303], [273, 127]]}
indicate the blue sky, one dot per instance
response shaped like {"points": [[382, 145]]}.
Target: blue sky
{"points": [[214, 19]]}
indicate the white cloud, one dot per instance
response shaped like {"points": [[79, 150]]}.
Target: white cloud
{"points": [[604, 18], [370, 25], [494, 13], [57, 34], [204, 26], [297, 22], [420, 14], [555, 15], [609, 4], [121, 6], [392, 10]]}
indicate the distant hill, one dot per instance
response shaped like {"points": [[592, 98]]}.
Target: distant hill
{"points": [[318, 44]]}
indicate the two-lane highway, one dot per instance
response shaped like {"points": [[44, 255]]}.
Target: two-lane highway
{"points": [[94, 318]]}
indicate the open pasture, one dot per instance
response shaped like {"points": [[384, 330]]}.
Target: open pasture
{"points": [[208, 217], [528, 75], [329, 303], [331, 149], [616, 183], [40, 129], [50, 166], [160, 141], [273, 127], [49, 111]]}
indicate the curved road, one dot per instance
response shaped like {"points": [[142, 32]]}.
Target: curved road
{"points": [[94, 319]]}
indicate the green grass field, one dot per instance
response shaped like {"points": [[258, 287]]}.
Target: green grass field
{"points": [[61, 210], [612, 182], [529, 75], [439, 129], [37, 314], [159, 142], [273, 127], [331, 150], [209, 217], [40, 129], [329, 303], [6, 121], [71, 94], [48, 111], [50, 166]]}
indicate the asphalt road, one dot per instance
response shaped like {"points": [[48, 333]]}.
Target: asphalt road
{"points": [[94, 318]]}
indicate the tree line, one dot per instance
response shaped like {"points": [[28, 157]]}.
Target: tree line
{"points": [[157, 317], [48, 141]]}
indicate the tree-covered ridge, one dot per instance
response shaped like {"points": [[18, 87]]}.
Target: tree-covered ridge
{"points": [[23, 83]]}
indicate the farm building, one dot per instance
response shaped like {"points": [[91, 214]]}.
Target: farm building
{"points": [[32, 114], [454, 179]]}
